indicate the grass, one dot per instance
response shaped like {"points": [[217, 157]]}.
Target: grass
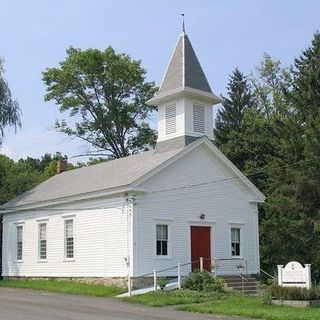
{"points": [[225, 304], [78, 288], [176, 297], [252, 307]]}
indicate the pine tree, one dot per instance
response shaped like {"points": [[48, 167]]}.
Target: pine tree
{"points": [[230, 117], [290, 229]]}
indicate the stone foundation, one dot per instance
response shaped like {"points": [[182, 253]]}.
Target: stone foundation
{"points": [[116, 281], [136, 282], [297, 303]]}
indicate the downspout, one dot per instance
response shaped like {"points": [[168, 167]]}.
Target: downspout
{"points": [[130, 201]]}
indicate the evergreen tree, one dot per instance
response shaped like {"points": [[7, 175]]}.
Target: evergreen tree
{"points": [[290, 229], [230, 116]]}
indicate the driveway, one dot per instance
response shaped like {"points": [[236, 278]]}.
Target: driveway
{"points": [[16, 304]]}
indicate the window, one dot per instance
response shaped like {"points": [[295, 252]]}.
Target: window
{"points": [[162, 240], [42, 241], [198, 119], [235, 242], [19, 230], [69, 240], [171, 119]]}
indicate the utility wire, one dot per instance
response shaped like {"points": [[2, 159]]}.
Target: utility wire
{"points": [[242, 176]]}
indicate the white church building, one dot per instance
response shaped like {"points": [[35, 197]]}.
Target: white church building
{"points": [[175, 204]]}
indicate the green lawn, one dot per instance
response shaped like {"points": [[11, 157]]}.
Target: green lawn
{"points": [[176, 297], [64, 286], [225, 304]]}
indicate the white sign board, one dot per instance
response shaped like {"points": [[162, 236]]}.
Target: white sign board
{"points": [[294, 275]]}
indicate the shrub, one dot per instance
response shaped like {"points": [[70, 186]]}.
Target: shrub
{"points": [[162, 282], [203, 281], [293, 293]]}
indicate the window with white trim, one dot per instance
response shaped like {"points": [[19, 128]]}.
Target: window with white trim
{"points": [[68, 239], [199, 119], [162, 240], [42, 241], [19, 246], [235, 242], [171, 125]]}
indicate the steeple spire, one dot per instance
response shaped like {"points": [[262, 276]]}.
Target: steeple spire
{"points": [[184, 73], [183, 24], [184, 99]]}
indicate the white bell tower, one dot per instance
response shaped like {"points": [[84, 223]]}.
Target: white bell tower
{"points": [[184, 100]]}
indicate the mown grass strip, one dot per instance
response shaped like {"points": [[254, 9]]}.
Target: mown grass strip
{"points": [[176, 297], [71, 287], [252, 307]]}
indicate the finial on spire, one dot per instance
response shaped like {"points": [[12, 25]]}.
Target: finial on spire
{"points": [[183, 26]]}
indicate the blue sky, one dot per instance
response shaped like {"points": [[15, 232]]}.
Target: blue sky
{"points": [[225, 35]]}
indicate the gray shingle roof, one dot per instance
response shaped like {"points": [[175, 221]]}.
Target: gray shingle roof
{"points": [[184, 69], [103, 176]]}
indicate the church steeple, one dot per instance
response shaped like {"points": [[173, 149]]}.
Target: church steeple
{"points": [[184, 98]]}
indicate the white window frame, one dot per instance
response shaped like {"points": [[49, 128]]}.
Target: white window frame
{"points": [[65, 220], [40, 258], [169, 223], [162, 240], [240, 242], [19, 225]]}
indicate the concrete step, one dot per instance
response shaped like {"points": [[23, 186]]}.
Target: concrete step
{"points": [[248, 285]]}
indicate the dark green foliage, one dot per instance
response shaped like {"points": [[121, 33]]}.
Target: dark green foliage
{"points": [[106, 93], [239, 99], [293, 293], [162, 282], [277, 144], [9, 108], [22, 175], [203, 281]]}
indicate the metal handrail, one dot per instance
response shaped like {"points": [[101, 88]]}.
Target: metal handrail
{"points": [[268, 274], [179, 265], [167, 269]]}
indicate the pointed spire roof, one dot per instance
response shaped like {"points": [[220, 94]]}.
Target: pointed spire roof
{"points": [[184, 73]]}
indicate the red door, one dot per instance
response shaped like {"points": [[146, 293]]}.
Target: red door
{"points": [[200, 247]]}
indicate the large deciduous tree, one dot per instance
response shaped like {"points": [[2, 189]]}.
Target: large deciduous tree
{"points": [[106, 93], [9, 108]]}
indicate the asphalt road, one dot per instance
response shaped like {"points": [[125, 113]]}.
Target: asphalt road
{"points": [[16, 304]]}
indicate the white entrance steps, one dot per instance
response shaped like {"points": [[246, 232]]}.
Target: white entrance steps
{"points": [[170, 286]]}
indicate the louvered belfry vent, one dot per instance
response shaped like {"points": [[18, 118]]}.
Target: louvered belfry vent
{"points": [[199, 119], [171, 126], [184, 100]]}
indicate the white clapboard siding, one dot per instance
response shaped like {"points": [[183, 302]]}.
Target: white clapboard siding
{"points": [[100, 241], [225, 204]]}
